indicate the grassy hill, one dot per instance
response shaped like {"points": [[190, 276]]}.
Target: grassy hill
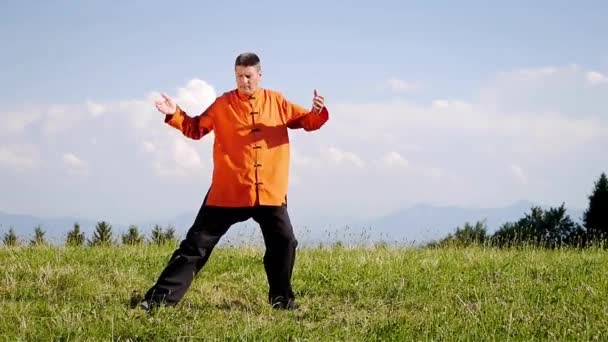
{"points": [[345, 294]]}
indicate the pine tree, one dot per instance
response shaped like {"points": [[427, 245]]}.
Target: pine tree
{"points": [[10, 238], [102, 235], [157, 236], [595, 217], [169, 234], [75, 237], [132, 237], [38, 239]]}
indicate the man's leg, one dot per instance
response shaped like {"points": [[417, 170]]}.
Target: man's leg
{"points": [[280, 253], [209, 226]]}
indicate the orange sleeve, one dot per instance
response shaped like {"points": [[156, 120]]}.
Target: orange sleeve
{"points": [[299, 117], [193, 127]]}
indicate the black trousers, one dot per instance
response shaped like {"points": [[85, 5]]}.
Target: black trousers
{"points": [[210, 225]]}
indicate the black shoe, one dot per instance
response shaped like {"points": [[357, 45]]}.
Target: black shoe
{"points": [[149, 305], [145, 305], [280, 303]]}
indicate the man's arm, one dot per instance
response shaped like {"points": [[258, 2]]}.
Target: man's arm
{"points": [[309, 120], [192, 127]]}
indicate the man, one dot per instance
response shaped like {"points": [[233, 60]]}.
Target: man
{"points": [[250, 178]]}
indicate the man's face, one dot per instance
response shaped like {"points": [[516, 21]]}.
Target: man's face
{"points": [[247, 78]]}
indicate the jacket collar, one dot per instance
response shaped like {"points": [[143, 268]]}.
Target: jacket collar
{"points": [[256, 94]]}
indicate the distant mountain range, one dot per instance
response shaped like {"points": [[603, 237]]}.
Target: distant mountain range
{"points": [[422, 223], [416, 224]]}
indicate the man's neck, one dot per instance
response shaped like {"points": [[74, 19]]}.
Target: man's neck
{"points": [[243, 95]]}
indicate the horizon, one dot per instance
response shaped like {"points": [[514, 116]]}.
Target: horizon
{"points": [[398, 210], [414, 225]]}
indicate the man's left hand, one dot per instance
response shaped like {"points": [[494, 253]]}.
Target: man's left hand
{"points": [[318, 102]]}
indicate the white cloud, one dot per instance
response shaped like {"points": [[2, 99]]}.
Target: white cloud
{"points": [[20, 157], [95, 109], [445, 121], [452, 105], [195, 96], [450, 150], [148, 146], [438, 104], [171, 154], [596, 78], [395, 159], [185, 155], [338, 156], [181, 160], [411, 147], [434, 172], [464, 144], [294, 179], [300, 160], [58, 119], [563, 90], [74, 165], [400, 86], [14, 123], [528, 74], [518, 173], [140, 114]]}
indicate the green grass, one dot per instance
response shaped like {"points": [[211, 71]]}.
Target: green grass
{"points": [[53, 293]]}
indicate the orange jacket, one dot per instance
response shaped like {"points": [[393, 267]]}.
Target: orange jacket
{"points": [[251, 147]]}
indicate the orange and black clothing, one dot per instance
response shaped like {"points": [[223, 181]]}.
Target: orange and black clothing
{"points": [[250, 179], [251, 148]]}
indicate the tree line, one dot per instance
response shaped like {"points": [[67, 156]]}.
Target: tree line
{"points": [[103, 235], [540, 227], [550, 227]]}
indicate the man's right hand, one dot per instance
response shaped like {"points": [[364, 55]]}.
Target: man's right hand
{"points": [[166, 105]]}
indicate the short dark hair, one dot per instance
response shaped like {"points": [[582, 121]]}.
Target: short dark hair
{"points": [[247, 59]]}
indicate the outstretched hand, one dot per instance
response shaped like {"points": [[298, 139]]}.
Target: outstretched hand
{"points": [[165, 104], [318, 102]]}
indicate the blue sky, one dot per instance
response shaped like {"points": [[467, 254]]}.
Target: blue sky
{"points": [[454, 94], [125, 48]]}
